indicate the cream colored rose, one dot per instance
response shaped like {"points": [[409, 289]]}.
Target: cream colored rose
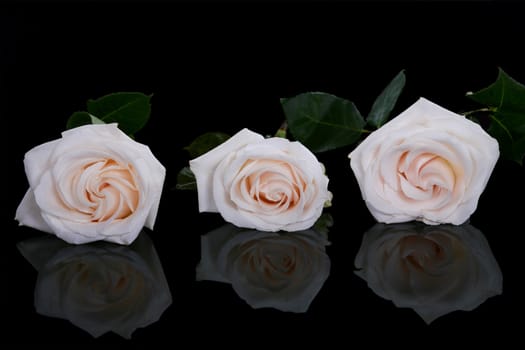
{"points": [[280, 271], [95, 183], [267, 184], [99, 287], [427, 164], [432, 269]]}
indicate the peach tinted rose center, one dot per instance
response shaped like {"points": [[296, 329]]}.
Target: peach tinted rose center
{"points": [[274, 186], [425, 176], [102, 190]]}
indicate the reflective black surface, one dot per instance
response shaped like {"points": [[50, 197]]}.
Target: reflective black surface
{"points": [[224, 67], [284, 271], [433, 270], [99, 287]]}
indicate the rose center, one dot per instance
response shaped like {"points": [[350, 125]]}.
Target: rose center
{"points": [[105, 190], [273, 185], [425, 175]]}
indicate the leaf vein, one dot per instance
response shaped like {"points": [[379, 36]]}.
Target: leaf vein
{"points": [[339, 126]]}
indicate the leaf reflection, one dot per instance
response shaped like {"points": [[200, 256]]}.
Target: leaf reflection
{"points": [[267, 270], [99, 287], [433, 270]]}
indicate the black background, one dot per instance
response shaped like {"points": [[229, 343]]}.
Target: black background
{"points": [[216, 66]]}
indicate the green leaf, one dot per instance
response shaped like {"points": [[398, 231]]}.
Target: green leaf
{"points": [[504, 94], [186, 180], [506, 97], [322, 121], [323, 224], [206, 142], [130, 110], [385, 102], [82, 118], [514, 121], [511, 144]]}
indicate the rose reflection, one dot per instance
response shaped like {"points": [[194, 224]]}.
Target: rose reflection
{"points": [[266, 269], [432, 269], [99, 287]]}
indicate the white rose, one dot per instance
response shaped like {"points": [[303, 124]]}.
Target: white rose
{"points": [[432, 269], [95, 183], [266, 269], [267, 184], [427, 164], [99, 287]]}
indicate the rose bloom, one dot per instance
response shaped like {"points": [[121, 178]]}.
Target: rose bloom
{"points": [[99, 287], [427, 164], [266, 269], [95, 183], [266, 184], [432, 269]]}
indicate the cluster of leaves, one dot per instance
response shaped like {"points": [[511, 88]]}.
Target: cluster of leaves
{"points": [[324, 122], [320, 121], [131, 110]]}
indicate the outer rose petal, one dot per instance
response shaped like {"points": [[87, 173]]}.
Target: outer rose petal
{"points": [[28, 213], [36, 161], [156, 174], [204, 166]]}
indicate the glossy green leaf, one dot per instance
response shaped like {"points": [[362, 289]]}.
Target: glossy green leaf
{"points": [[505, 94], [510, 136], [186, 180], [322, 121], [386, 101], [131, 110], [506, 100], [82, 118], [205, 142]]}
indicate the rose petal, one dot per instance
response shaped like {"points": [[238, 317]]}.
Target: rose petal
{"points": [[155, 183], [204, 166], [36, 161], [50, 202], [28, 213]]}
